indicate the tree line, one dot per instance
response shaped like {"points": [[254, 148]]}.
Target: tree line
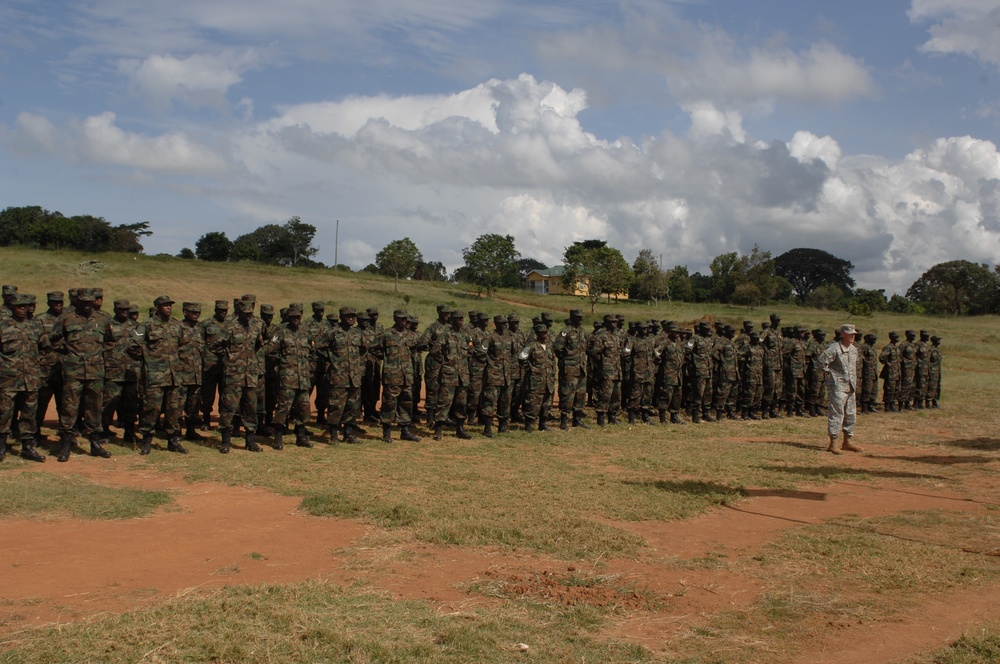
{"points": [[805, 276]]}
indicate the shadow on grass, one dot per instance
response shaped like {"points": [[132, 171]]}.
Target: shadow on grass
{"points": [[985, 444], [830, 472], [937, 459], [690, 487], [784, 493]]}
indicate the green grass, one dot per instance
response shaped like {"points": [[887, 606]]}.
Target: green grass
{"points": [[979, 646], [318, 622], [38, 494]]}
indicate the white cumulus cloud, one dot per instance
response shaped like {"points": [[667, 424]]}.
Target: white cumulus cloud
{"points": [[966, 27]]}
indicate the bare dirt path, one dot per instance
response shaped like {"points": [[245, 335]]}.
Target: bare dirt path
{"points": [[62, 570]]}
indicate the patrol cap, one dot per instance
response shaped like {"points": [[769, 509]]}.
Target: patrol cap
{"points": [[160, 301], [363, 315], [540, 328], [301, 306], [894, 335], [84, 294], [249, 297], [193, 307], [348, 311], [457, 314], [442, 308], [546, 315], [372, 311], [98, 293], [222, 305], [513, 318], [576, 313], [598, 324], [870, 338], [620, 317], [332, 318], [319, 306], [499, 319], [821, 333], [727, 328], [410, 318], [151, 311], [775, 318], [748, 325], [244, 307], [121, 304], [609, 318], [911, 333], [535, 320], [74, 292], [766, 325], [847, 328], [294, 310], [399, 313], [267, 310], [754, 335], [21, 299], [935, 338], [9, 289], [133, 308], [54, 296], [924, 334]]}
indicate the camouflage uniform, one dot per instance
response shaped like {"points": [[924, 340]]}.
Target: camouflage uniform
{"points": [[191, 353], [907, 371], [394, 349], [642, 365], [726, 378], [317, 326], [795, 375], [344, 348], [479, 336], [868, 359], [21, 341], [538, 361], [371, 381], [454, 378], [922, 374], [752, 376], [499, 378], [49, 361], [701, 348], [431, 340], [606, 349], [669, 352], [815, 379], [772, 342], [571, 350], [413, 323], [889, 358], [292, 350], [267, 381], [239, 343], [934, 372], [156, 343], [519, 338], [80, 336], [212, 369], [121, 375]]}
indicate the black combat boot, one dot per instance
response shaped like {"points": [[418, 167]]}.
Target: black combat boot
{"points": [[191, 432], [644, 415], [28, 450], [613, 417], [406, 434], [675, 418], [302, 436], [3, 447], [696, 416], [348, 433], [174, 444], [146, 445], [488, 428], [600, 419], [460, 431], [564, 421], [278, 443], [529, 425], [227, 439], [706, 415], [753, 414], [386, 433], [578, 420], [251, 442], [95, 447], [438, 433], [663, 415], [502, 428], [631, 415], [430, 417], [128, 436], [66, 442]]}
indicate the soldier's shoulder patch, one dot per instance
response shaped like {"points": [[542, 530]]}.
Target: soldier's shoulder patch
{"points": [[139, 331]]}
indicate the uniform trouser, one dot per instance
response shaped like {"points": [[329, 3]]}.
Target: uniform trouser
{"points": [[322, 385], [25, 403], [516, 395], [889, 390], [537, 398], [242, 399], [211, 384], [934, 387], [701, 392], [869, 389], [906, 386], [771, 385], [191, 402], [121, 397], [418, 380], [753, 391], [572, 392], [371, 383], [920, 385], [167, 398], [345, 402], [815, 391], [724, 390], [432, 373], [668, 397], [640, 395], [843, 412], [475, 393], [397, 404], [795, 392], [495, 402], [451, 399], [84, 398], [292, 406], [607, 394], [51, 387]]}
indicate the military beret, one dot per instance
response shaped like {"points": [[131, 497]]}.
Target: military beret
{"points": [[121, 304], [133, 308], [84, 295], [319, 306], [9, 289], [512, 318], [193, 307], [348, 311], [162, 300], [244, 307], [222, 305], [576, 313], [499, 319], [609, 318], [249, 297], [267, 310], [294, 309], [54, 296], [98, 292], [399, 313], [21, 299], [372, 311], [540, 328]]}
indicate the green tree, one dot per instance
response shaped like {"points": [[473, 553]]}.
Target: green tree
{"points": [[300, 239], [398, 258], [679, 284], [492, 262], [808, 269], [213, 246], [600, 270], [826, 296], [526, 265], [874, 300], [956, 287], [726, 274], [186, 253], [650, 283], [430, 271]]}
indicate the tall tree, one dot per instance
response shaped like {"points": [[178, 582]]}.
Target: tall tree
{"points": [[300, 239], [956, 287], [492, 262], [213, 246], [526, 265], [807, 269], [650, 283], [398, 258], [596, 268]]}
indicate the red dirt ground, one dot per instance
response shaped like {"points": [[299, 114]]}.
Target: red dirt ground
{"points": [[63, 570]]}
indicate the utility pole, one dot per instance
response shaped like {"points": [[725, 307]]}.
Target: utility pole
{"points": [[336, 245]]}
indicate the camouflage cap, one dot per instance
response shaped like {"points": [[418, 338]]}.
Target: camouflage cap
{"points": [[546, 316], [54, 296], [121, 304], [363, 315], [9, 289], [294, 310], [412, 319], [513, 318], [576, 313], [98, 292], [620, 317], [766, 325], [910, 333], [598, 324], [499, 319], [775, 318], [672, 326], [319, 306], [399, 313], [894, 335], [819, 333], [244, 307], [21, 299], [162, 300], [935, 338], [267, 310], [249, 297], [133, 308], [84, 295], [540, 328], [609, 318], [348, 311], [372, 311], [222, 305], [331, 318], [924, 334], [457, 314], [870, 338], [193, 307], [74, 292], [748, 325], [442, 308]]}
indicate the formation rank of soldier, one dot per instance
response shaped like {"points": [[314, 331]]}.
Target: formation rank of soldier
{"points": [[164, 373]]}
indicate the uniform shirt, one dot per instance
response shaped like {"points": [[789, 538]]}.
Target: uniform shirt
{"points": [[840, 363]]}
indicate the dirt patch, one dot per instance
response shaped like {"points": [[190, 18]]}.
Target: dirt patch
{"points": [[571, 588]]}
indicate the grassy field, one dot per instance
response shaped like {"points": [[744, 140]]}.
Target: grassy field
{"points": [[570, 496]]}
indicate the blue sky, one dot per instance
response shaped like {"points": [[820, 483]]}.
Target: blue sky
{"points": [[689, 128]]}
